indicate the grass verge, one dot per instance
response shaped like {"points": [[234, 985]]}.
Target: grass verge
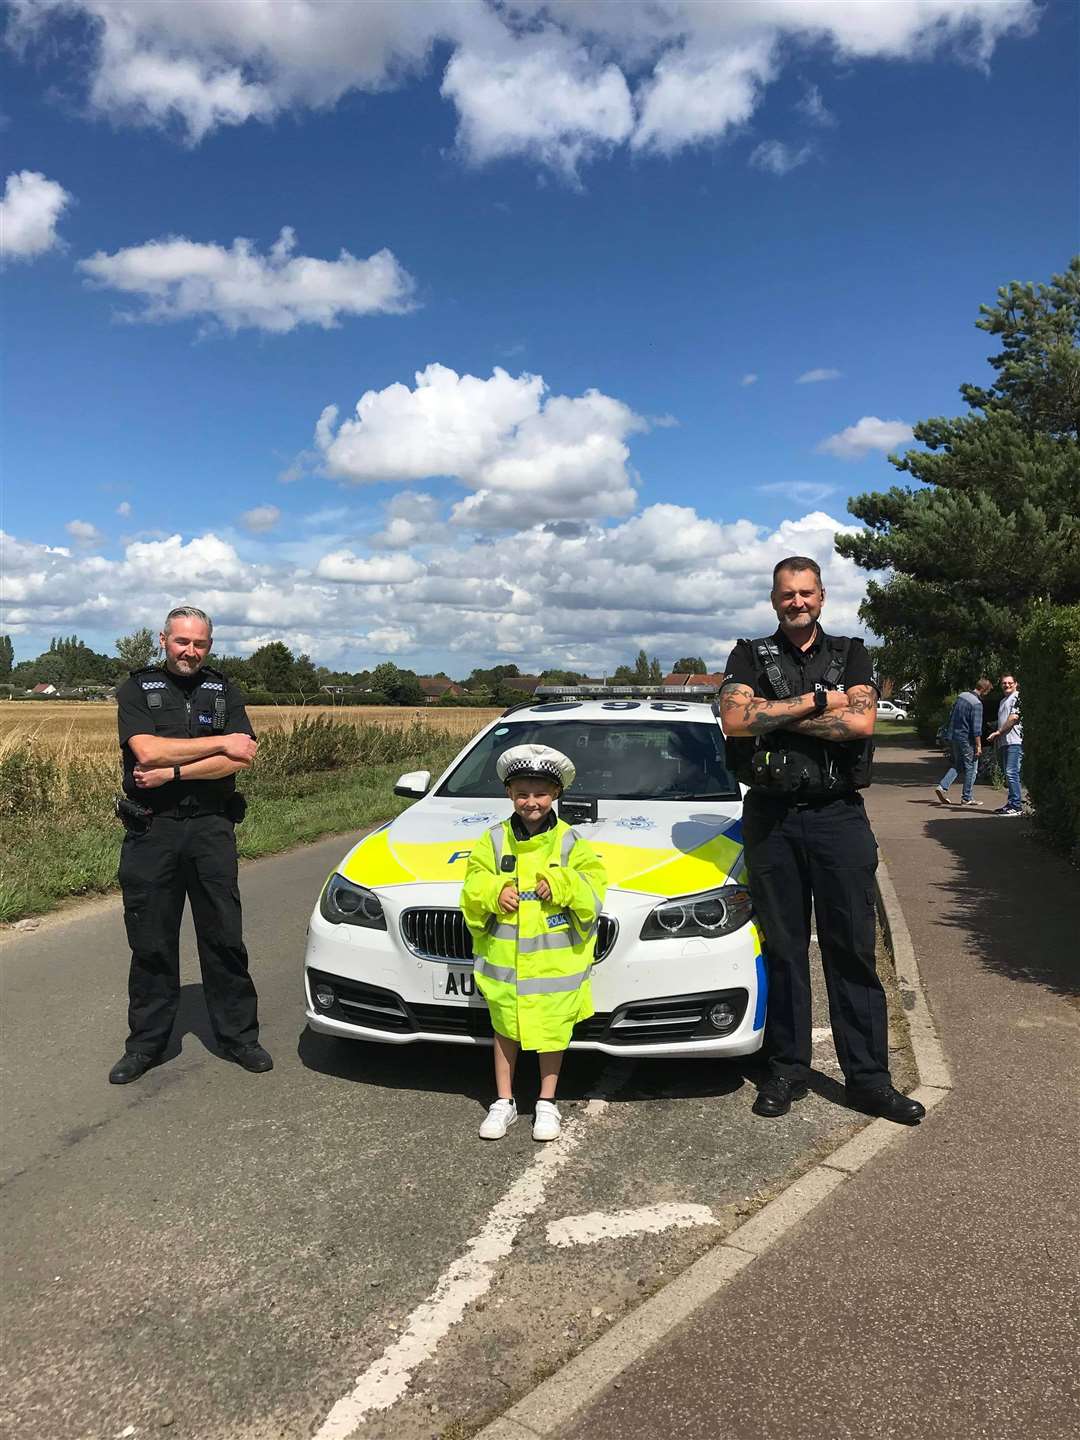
{"points": [[325, 777]]}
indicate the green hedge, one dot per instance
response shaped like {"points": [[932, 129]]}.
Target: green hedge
{"points": [[1049, 676]]}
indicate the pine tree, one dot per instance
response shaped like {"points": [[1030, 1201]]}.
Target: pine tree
{"points": [[997, 526]]}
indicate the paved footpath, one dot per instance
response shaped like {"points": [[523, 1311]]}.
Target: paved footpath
{"points": [[935, 1294]]}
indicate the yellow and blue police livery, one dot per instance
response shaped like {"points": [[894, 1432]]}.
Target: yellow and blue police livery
{"points": [[678, 968]]}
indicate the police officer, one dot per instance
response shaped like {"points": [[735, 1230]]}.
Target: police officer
{"points": [[184, 735], [798, 708]]}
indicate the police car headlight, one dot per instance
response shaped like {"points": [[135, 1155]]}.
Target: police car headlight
{"points": [[344, 903], [710, 914]]}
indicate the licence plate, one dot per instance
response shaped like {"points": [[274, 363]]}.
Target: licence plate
{"points": [[456, 984]]}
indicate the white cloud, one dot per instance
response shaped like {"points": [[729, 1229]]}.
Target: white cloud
{"points": [[815, 377], [557, 81], [777, 158], [865, 435], [695, 97], [812, 107], [124, 508], [83, 533], [540, 97], [411, 519], [587, 596], [260, 519], [178, 279], [803, 492], [343, 567], [527, 455], [29, 210], [750, 378]]}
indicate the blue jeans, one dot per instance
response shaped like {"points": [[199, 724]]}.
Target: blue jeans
{"points": [[1011, 757], [963, 763]]}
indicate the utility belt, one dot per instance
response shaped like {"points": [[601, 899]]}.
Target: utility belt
{"points": [[137, 819], [798, 777]]}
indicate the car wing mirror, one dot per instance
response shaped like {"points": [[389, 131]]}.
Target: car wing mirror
{"points": [[414, 785]]}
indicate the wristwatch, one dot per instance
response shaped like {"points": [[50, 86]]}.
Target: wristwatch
{"points": [[821, 701], [176, 772]]}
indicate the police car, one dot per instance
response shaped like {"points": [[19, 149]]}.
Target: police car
{"points": [[678, 968]]}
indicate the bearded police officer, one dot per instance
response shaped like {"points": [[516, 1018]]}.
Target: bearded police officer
{"points": [[185, 735], [798, 707]]}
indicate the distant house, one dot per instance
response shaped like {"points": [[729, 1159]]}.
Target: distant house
{"points": [[44, 689], [528, 683], [435, 688], [714, 680]]}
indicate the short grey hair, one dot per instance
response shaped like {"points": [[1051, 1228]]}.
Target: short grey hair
{"points": [[189, 612]]}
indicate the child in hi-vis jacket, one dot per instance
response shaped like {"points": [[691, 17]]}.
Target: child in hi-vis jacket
{"points": [[532, 897]]}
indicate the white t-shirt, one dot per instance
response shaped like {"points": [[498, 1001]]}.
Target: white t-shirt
{"points": [[1009, 706]]}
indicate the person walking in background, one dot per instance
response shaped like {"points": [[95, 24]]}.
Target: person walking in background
{"points": [[1009, 739], [964, 734]]}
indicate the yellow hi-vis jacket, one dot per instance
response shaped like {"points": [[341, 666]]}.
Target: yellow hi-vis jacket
{"points": [[532, 965]]}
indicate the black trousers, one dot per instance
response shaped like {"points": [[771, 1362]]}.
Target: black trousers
{"points": [[827, 853], [192, 859]]}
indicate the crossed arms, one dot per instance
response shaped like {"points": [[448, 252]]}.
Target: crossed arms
{"points": [[849, 715], [209, 757]]}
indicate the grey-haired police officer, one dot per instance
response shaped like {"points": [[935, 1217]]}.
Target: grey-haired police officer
{"points": [[798, 708], [184, 735]]}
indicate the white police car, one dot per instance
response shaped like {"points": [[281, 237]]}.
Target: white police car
{"points": [[679, 968]]}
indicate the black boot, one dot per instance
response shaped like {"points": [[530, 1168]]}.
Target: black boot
{"points": [[887, 1102], [775, 1095], [130, 1066], [252, 1057]]}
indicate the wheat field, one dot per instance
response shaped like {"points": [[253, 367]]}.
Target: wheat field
{"points": [[71, 728]]}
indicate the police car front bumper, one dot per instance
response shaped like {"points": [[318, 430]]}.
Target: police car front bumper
{"points": [[662, 998]]}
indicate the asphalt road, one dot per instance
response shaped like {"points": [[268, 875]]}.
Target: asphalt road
{"points": [[220, 1256]]}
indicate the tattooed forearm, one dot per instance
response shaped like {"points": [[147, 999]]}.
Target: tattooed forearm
{"points": [[855, 721], [744, 713], [833, 725]]}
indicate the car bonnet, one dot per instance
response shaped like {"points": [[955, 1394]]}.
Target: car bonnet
{"points": [[649, 847]]}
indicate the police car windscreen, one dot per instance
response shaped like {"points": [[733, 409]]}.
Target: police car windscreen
{"points": [[659, 760]]}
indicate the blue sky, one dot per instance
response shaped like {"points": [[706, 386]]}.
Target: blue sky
{"points": [[654, 229]]}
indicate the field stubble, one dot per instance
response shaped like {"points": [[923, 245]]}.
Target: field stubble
{"points": [[72, 728], [318, 772]]}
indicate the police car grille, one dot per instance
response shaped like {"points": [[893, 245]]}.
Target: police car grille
{"points": [[439, 934], [443, 934]]}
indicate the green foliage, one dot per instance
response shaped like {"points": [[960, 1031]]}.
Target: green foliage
{"points": [[7, 656], [689, 665], [1049, 677], [643, 672], [135, 651], [491, 679], [67, 663], [400, 687], [995, 526], [271, 667]]}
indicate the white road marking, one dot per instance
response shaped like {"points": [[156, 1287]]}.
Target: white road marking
{"points": [[387, 1379], [648, 1220]]}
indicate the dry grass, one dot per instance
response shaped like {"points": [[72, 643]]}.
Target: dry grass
{"points": [[70, 729]]}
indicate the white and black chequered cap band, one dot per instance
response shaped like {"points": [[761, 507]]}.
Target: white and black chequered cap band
{"points": [[538, 761]]}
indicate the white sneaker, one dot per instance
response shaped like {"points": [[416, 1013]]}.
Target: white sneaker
{"points": [[943, 799], [547, 1122], [501, 1115], [971, 804]]}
